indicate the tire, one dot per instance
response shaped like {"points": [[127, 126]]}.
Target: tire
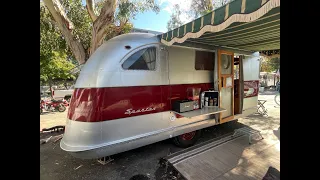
{"points": [[61, 108], [277, 99], [187, 139]]}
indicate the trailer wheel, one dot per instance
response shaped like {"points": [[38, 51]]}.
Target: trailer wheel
{"points": [[187, 139]]}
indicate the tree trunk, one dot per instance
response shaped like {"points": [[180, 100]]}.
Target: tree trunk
{"points": [[90, 8], [51, 91], [65, 85], [66, 26], [101, 23]]}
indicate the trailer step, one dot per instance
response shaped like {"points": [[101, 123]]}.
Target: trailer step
{"points": [[248, 132], [193, 151]]}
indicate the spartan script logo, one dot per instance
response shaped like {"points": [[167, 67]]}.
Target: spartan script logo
{"points": [[131, 111]]}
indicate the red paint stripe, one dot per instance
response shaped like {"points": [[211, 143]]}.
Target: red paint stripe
{"points": [[101, 104]]}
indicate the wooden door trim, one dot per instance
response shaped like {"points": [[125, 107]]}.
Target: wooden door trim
{"points": [[223, 120], [226, 52]]}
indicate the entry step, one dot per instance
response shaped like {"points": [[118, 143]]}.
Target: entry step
{"points": [[248, 132]]}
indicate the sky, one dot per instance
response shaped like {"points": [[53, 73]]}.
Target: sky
{"points": [[158, 22]]}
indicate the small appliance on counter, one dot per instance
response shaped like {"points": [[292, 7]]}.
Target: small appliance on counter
{"points": [[183, 105], [209, 98], [193, 94]]}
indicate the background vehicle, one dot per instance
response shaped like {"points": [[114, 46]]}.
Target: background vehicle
{"points": [[52, 105], [57, 93]]}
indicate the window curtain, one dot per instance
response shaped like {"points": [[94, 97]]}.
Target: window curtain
{"points": [[150, 58], [241, 86]]}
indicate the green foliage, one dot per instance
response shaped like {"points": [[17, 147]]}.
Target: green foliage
{"points": [[200, 7], [197, 8], [57, 68], [53, 50], [112, 31], [79, 16], [270, 65], [56, 58], [128, 9], [50, 37], [204, 12], [175, 21]]}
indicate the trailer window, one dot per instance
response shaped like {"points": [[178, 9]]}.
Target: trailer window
{"points": [[204, 60], [144, 59]]}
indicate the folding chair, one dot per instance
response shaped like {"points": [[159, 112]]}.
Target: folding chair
{"points": [[261, 109]]}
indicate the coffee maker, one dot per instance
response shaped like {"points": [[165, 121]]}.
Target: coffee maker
{"points": [[193, 94]]}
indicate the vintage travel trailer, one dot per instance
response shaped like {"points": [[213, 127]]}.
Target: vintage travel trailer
{"points": [[140, 88], [124, 95]]}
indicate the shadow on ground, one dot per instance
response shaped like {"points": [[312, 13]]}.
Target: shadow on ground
{"points": [[141, 163], [277, 133], [261, 122], [236, 165], [56, 164]]}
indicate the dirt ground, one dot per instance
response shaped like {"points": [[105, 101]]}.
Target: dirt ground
{"points": [[50, 119], [265, 123], [56, 164]]}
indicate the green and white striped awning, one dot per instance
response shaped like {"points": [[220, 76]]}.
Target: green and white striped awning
{"points": [[252, 25]]}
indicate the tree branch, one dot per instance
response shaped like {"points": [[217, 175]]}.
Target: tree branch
{"points": [[122, 24], [106, 15], [90, 8], [58, 7], [105, 18], [54, 23], [66, 26]]}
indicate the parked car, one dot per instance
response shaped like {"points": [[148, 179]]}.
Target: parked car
{"points": [[57, 94]]}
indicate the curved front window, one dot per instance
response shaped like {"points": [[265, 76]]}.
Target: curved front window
{"points": [[144, 59]]}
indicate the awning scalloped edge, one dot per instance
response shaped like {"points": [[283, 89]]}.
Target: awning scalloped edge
{"points": [[271, 4]]}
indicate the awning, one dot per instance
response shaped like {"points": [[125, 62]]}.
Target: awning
{"points": [[252, 25]]}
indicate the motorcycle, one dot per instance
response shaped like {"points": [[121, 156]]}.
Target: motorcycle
{"points": [[65, 102], [53, 105]]}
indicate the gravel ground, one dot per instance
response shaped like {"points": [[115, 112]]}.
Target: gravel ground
{"points": [[56, 164], [50, 119]]}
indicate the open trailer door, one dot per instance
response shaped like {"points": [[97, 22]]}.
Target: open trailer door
{"points": [[226, 84]]}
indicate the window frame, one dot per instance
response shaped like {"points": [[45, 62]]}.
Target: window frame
{"points": [[195, 56], [127, 56]]}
